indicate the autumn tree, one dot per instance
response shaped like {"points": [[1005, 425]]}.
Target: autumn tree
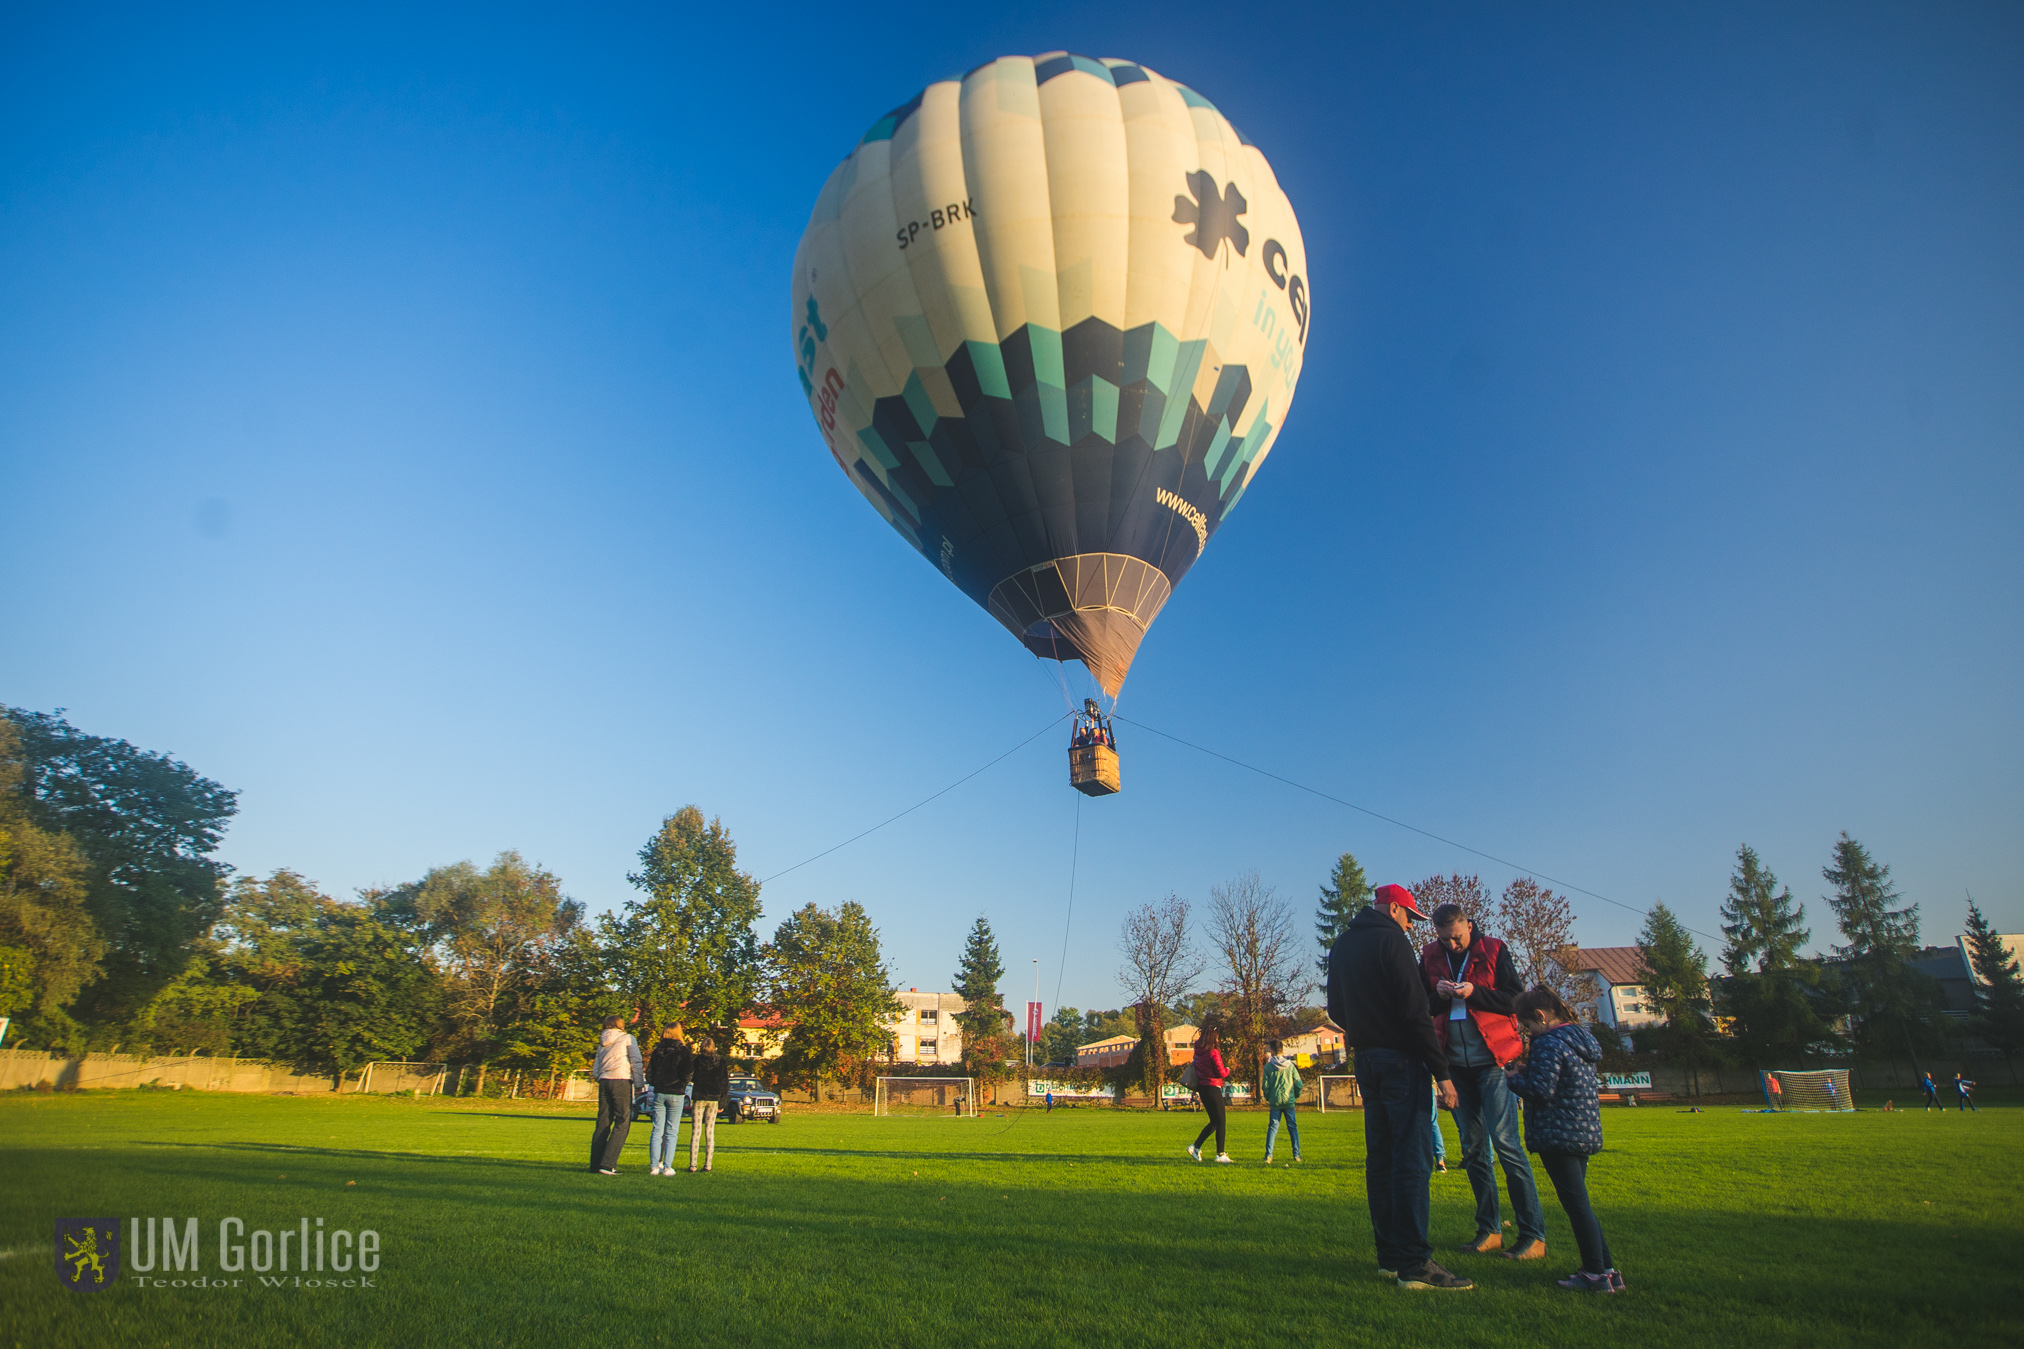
{"points": [[1346, 895], [1264, 965], [828, 978], [1160, 966], [1538, 926]]}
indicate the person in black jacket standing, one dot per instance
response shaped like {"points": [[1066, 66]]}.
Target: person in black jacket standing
{"points": [[1378, 997], [669, 1068]]}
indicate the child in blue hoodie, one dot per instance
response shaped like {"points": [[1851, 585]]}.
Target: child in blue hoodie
{"points": [[1563, 1123]]}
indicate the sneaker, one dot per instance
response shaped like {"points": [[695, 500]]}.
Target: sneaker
{"points": [[1441, 1167], [1296, 1156], [1431, 1275], [1483, 1243], [1616, 1283], [1531, 1249], [654, 1170], [1222, 1156], [1268, 1159], [1581, 1281], [607, 1170], [1195, 1151], [1384, 1273]]}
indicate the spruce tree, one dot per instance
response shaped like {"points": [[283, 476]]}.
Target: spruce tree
{"points": [[983, 1017], [1675, 975], [1887, 997], [1347, 895], [2000, 997], [1772, 993]]}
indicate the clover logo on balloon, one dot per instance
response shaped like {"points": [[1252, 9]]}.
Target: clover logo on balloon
{"points": [[1214, 214]]}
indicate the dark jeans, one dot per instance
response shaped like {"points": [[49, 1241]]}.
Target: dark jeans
{"points": [[614, 1122], [1486, 1115], [1398, 1147], [1569, 1173], [1212, 1101]]}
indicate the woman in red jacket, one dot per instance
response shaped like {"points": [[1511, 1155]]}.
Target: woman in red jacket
{"points": [[1210, 1074]]}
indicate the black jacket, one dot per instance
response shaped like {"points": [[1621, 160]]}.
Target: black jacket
{"points": [[713, 1078], [1376, 993], [670, 1066]]}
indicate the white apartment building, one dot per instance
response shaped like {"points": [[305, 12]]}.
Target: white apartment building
{"points": [[925, 1031]]}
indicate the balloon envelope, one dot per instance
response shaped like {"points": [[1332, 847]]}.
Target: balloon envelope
{"points": [[1049, 318]]}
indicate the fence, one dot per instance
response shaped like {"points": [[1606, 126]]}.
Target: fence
{"points": [[197, 1072]]}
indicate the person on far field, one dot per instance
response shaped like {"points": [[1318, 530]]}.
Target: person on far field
{"points": [[1282, 1099], [620, 1077], [1964, 1090], [668, 1070], [1050, 1100], [1563, 1124], [1378, 997], [711, 1083], [1932, 1091], [1210, 1075], [1774, 1091]]}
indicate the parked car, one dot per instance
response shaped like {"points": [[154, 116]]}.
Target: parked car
{"points": [[749, 1098]]}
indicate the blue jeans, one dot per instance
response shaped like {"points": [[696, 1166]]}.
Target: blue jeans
{"points": [[667, 1128], [1486, 1115], [1292, 1128], [1440, 1143], [1398, 1159]]}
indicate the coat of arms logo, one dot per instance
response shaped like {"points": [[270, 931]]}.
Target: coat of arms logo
{"points": [[87, 1253]]}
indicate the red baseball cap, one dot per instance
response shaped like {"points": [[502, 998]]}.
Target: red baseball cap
{"points": [[1399, 895]]}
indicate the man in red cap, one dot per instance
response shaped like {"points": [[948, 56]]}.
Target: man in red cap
{"points": [[1376, 994]]}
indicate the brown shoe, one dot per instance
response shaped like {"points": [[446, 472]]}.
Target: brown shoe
{"points": [[1485, 1243], [1534, 1249]]}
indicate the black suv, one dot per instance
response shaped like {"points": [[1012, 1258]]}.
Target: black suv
{"points": [[750, 1099]]}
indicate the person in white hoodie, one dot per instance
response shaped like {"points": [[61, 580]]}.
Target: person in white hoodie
{"points": [[620, 1077]]}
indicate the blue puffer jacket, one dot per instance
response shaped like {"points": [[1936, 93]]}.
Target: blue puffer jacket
{"points": [[1559, 1087]]}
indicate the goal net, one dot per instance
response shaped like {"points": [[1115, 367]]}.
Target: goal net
{"points": [[1826, 1089], [1340, 1093], [954, 1096]]}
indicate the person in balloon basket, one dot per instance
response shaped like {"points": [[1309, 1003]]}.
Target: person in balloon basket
{"points": [[620, 1077], [711, 1084], [1473, 987], [1210, 1075], [1563, 1124], [1378, 997], [669, 1068]]}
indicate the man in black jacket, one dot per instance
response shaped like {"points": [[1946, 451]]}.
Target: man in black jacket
{"points": [[1378, 997]]}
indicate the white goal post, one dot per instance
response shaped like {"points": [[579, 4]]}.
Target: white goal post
{"points": [[1810, 1092], [955, 1096], [1340, 1092]]}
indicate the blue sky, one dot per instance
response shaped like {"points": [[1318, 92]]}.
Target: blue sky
{"points": [[399, 425]]}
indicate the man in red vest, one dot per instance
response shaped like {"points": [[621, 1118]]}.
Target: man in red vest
{"points": [[1471, 988]]}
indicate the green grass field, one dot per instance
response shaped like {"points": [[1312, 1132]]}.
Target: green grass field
{"points": [[1080, 1227]]}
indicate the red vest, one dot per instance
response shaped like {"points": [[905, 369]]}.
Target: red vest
{"points": [[1499, 1032]]}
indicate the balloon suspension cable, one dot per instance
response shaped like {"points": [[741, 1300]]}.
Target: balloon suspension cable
{"points": [[1410, 828], [922, 802], [1074, 856]]}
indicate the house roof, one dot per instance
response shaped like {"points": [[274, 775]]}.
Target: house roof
{"points": [[1112, 1042], [1616, 964]]}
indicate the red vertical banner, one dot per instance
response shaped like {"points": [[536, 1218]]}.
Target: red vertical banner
{"points": [[1032, 1023]]}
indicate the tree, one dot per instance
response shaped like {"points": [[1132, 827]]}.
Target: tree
{"points": [[687, 951], [362, 993], [488, 931], [829, 980], [55, 949], [1265, 974], [1886, 996], [1467, 891], [146, 826], [2000, 994], [1773, 995], [985, 1043], [1347, 895], [1674, 972], [1538, 926], [1160, 966], [1061, 1036]]}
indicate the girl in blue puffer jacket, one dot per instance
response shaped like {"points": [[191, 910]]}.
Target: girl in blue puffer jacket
{"points": [[1563, 1123]]}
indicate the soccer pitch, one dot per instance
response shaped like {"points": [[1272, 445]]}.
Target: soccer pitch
{"points": [[1080, 1227]]}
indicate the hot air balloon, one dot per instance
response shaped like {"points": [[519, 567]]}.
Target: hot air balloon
{"points": [[1049, 318]]}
